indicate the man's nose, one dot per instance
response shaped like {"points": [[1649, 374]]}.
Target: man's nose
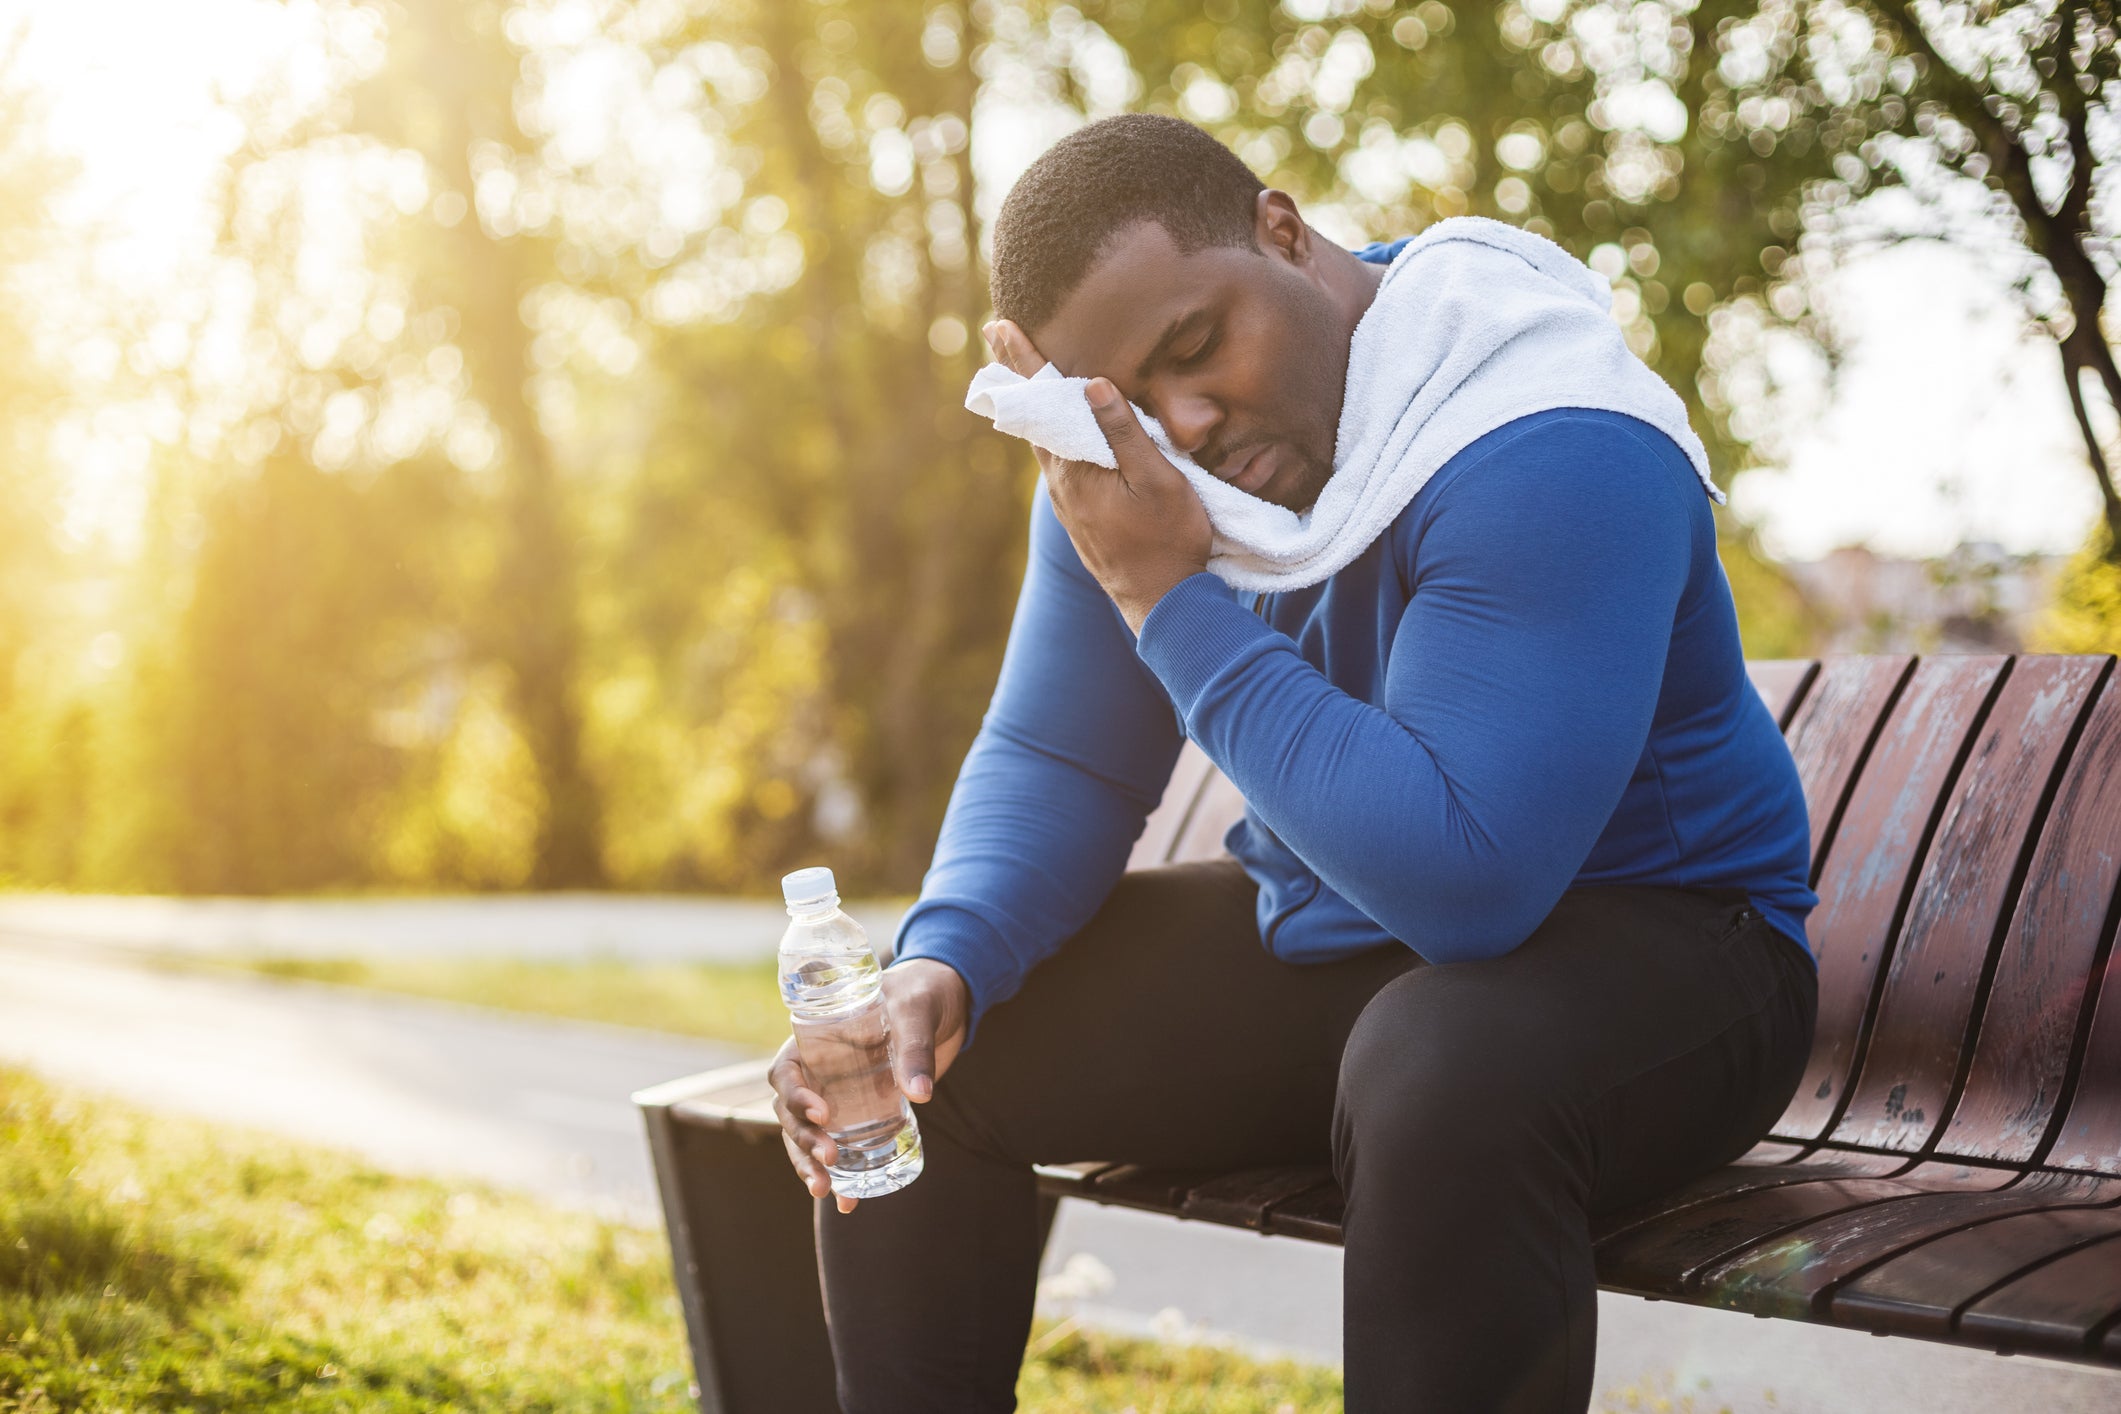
{"points": [[1192, 420]]}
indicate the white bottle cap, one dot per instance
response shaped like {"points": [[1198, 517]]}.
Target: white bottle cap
{"points": [[805, 886]]}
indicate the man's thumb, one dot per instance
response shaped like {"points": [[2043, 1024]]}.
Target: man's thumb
{"points": [[913, 1054], [1115, 416]]}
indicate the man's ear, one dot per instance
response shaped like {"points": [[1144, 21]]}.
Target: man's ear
{"points": [[1279, 227]]}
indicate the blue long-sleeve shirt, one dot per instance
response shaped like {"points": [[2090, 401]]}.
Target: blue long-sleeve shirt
{"points": [[1532, 681]]}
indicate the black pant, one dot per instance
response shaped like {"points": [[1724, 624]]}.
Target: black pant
{"points": [[1476, 1115]]}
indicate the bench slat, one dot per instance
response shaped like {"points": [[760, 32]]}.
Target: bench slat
{"points": [[1136, 1186], [2030, 1023], [1962, 897], [1918, 1292], [1161, 831], [1069, 1180], [1245, 1199], [1832, 729], [1770, 1153], [1820, 1166], [1220, 807], [1314, 1216], [1781, 683], [742, 1100], [1789, 1275], [1872, 863], [2056, 1306], [1664, 1258], [2090, 1139]]}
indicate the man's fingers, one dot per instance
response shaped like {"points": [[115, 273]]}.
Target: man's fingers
{"points": [[788, 1078], [808, 1137], [1013, 348], [809, 1103], [811, 1172]]}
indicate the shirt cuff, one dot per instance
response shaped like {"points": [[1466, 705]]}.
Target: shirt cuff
{"points": [[969, 947], [1196, 632]]}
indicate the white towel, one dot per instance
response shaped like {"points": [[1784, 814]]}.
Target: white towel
{"points": [[1475, 325]]}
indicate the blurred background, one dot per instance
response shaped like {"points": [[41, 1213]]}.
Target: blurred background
{"points": [[490, 475], [465, 445]]}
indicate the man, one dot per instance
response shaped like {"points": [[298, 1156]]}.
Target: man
{"points": [[1527, 855]]}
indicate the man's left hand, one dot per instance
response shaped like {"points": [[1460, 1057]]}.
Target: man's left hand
{"points": [[1140, 529]]}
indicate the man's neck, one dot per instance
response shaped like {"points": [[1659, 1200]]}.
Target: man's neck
{"points": [[1350, 281]]}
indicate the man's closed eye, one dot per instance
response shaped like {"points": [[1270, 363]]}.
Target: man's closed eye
{"points": [[1200, 351]]}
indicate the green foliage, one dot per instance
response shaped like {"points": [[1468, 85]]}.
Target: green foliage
{"points": [[900, 518], [2085, 616], [32, 178], [597, 510], [1773, 619], [258, 711], [1613, 130]]}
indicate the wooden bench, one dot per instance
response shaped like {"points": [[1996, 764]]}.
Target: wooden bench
{"points": [[1950, 1167]]}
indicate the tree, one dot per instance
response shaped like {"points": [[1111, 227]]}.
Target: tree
{"points": [[2007, 103], [381, 419], [43, 746], [2085, 615], [1620, 131], [572, 487], [31, 178], [2020, 98], [449, 91], [815, 339]]}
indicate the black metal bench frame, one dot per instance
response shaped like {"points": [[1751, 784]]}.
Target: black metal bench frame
{"points": [[1950, 1168]]}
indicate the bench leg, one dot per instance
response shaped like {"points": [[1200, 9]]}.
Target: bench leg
{"points": [[744, 1253], [746, 1267]]}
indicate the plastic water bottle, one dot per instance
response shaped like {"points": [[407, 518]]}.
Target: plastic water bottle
{"points": [[834, 991]]}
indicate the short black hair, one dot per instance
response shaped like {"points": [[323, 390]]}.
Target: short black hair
{"points": [[1101, 179]]}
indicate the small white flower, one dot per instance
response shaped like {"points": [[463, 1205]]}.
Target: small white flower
{"points": [[1080, 1278]]}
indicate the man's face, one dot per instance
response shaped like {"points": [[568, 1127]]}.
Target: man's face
{"points": [[1240, 354]]}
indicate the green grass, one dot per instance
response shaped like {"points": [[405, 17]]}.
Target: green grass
{"points": [[722, 1001], [149, 1263], [1072, 1370], [156, 1264]]}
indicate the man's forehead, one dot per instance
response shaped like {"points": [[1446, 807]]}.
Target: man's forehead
{"points": [[1139, 284]]}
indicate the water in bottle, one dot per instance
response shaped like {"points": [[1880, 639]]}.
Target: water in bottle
{"points": [[834, 991]]}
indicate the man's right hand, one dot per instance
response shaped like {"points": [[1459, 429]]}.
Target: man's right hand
{"points": [[928, 1008]]}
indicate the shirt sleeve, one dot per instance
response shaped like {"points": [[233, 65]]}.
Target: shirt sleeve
{"points": [[1523, 679], [1074, 752]]}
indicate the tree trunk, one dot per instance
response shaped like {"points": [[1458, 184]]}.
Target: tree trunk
{"points": [[535, 631]]}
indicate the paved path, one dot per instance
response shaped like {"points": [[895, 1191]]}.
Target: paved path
{"points": [[415, 1086], [542, 1105], [636, 927]]}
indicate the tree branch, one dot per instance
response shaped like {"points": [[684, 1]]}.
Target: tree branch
{"points": [[2060, 237]]}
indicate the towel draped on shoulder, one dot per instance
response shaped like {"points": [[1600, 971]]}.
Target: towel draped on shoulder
{"points": [[1475, 325]]}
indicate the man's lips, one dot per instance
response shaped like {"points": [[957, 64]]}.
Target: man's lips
{"points": [[1246, 472]]}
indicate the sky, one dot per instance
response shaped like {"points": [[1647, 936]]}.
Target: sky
{"points": [[129, 88], [1945, 422]]}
